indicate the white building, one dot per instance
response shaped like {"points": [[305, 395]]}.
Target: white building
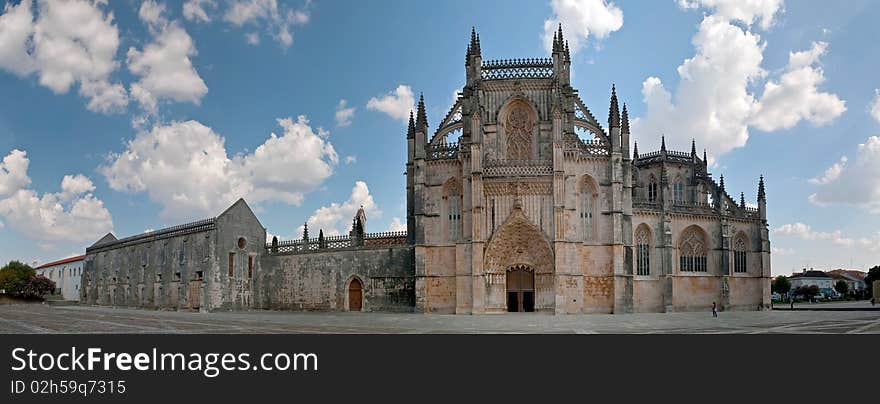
{"points": [[66, 274], [811, 277]]}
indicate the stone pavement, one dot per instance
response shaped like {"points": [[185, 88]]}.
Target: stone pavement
{"points": [[36, 318]]}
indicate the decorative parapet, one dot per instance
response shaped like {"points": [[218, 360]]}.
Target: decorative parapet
{"points": [[514, 168], [574, 145], [540, 68], [299, 246], [168, 232], [442, 151]]}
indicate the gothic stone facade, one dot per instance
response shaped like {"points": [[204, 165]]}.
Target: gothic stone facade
{"points": [[536, 206], [520, 200]]}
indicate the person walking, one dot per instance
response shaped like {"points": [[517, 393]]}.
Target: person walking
{"points": [[714, 310], [792, 303]]}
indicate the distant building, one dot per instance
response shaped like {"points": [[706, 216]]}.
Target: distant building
{"points": [[66, 274], [854, 279], [811, 277]]}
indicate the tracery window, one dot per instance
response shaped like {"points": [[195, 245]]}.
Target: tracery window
{"points": [[739, 255], [692, 251], [643, 252], [652, 190], [452, 197], [585, 210], [518, 128], [678, 192]]}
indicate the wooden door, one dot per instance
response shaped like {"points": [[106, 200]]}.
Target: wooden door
{"points": [[194, 297], [355, 295], [520, 289]]}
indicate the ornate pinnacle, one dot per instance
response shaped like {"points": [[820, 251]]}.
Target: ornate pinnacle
{"points": [[662, 143], [561, 39], [306, 231], [421, 116], [635, 150], [693, 147], [722, 183], [625, 122], [567, 53], [761, 195], [613, 111], [705, 160], [478, 52], [742, 200], [321, 243], [411, 129]]}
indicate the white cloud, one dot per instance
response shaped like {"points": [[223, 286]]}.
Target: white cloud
{"points": [[336, 218], [16, 29], [805, 232], [278, 20], [875, 105], [796, 96], [854, 182], [831, 174], [580, 19], [712, 102], [344, 114], [396, 225], [69, 42], [164, 65], [194, 10], [185, 167], [747, 11], [252, 38], [13, 172], [396, 104], [350, 160], [781, 251], [73, 214]]}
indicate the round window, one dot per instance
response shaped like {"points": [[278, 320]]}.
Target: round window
{"points": [[242, 242]]}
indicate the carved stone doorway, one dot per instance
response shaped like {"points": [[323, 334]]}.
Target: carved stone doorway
{"points": [[520, 289], [355, 295]]}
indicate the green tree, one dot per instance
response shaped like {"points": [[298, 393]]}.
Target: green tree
{"points": [[781, 285], [39, 286], [873, 275], [841, 287], [14, 277], [807, 291]]}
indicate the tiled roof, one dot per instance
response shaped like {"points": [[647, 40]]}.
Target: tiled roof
{"points": [[849, 274], [59, 262]]}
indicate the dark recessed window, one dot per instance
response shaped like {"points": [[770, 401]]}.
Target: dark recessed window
{"points": [[242, 242]]}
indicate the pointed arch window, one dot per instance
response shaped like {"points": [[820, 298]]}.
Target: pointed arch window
{"points": [[643, 252], [452, 198], [740, 252], [586, 210], [652, 190], [692, 251], [678, 191]]}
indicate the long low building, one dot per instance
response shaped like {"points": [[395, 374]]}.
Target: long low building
{"points": [[67, 275]]}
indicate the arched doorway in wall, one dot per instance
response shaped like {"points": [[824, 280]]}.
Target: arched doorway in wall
{"points": [[355, 295], [520, 289]]}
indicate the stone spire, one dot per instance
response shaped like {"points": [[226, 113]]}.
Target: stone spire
{"points": [[662, 143], [421, 115], [625, 120], [761, 195], [561, 39], [411, 129], [567, 53], [693, 147], [705, 160], [613, 111], [306, 234], [321, 243], [635, 150], [721, 185], [742, 200]]}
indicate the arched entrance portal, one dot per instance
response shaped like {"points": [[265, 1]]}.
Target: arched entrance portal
{"points": [[355, 295], [520, 289]]}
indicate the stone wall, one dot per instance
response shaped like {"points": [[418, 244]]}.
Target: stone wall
{"points": [[320, 280]]}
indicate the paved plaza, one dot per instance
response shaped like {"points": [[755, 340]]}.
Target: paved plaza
{"points": [[36, 318]]}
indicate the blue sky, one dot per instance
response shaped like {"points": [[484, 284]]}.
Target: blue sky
{"points": [[157, 111]]}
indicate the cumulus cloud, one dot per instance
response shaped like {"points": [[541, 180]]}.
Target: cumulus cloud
{"points": [[164, 65], [344, 113], [796, 97], [196, 10], [252, 38], [854, 182], [396, 225], [875, 105], [805, 232], [185, 167], [581, 19], [13, 172], [74, 214], [712, 102], [267, 14], [336, 218], [747, 11], [781, 251], [350, 160], [396, 104], [69, 42]]}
